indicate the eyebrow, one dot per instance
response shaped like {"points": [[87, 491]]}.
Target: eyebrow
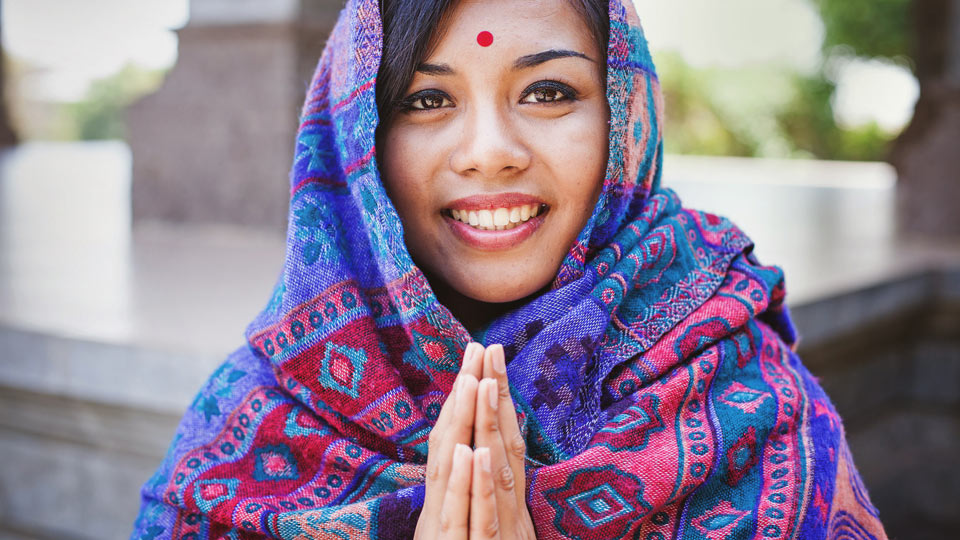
{"points": [[531, 60], [435, 69], [524, 62]]}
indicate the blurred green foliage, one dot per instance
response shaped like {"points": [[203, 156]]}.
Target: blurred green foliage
{"points": [[873, 28], [759, 112], [770, 111], [100, 115], [808, 122]]}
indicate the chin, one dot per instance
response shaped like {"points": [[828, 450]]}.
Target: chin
{"points": [[500, 281], [498, 290]]}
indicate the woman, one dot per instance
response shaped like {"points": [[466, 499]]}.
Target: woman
{"points": [[493, 322]]}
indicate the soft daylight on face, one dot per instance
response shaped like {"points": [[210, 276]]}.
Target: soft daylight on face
{"points": [[497, 156]]}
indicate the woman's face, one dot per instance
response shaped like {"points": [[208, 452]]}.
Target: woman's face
{"points": [[497, 156]]}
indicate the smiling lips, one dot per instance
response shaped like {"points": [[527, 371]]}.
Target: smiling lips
{"points": [[498, 219], [495, 222]]}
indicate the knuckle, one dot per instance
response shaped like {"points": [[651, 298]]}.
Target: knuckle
{"points": [[506, 478], [445, 524], [485, 489], [434, 438], [433, 471], [518, 446], [491, 528]]}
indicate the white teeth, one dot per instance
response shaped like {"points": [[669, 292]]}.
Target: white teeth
{"points": [[501, 217], [498, 219], [486, 218]]}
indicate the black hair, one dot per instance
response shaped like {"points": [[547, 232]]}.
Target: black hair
{"points": [[408, 32]]}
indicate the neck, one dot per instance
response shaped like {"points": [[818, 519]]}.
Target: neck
{"points": [[472, 313]]}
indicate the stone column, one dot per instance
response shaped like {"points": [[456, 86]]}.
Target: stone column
{"points": [[927, 154], [7, 135], [215, 143]]}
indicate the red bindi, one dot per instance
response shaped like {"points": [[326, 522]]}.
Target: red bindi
{"points": [[485, 39]]}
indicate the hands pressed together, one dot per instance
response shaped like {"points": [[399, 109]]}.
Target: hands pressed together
{"points": [[477, 493]]}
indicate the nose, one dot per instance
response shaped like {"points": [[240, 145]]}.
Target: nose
{"points": [[490, 145]]}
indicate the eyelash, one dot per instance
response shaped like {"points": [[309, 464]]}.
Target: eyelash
{"points": [[409, 103], [566, 93]]}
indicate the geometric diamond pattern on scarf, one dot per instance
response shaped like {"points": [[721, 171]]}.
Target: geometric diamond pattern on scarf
{"points": [[431, 353], [207, 493], [742, 456], [718, 522], [342, 369], [275, 462], [744, 398], [607, 510], [641, 419], [599, 505], [310, 426]]}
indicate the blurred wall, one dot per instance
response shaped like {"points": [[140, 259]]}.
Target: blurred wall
{"points": [[209, 146], [894, 377]]}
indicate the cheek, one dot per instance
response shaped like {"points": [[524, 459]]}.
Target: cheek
{"points": [[403, 175], [579, 162]]}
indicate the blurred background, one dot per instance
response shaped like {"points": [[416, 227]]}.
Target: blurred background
{"points": [[143, 203]]}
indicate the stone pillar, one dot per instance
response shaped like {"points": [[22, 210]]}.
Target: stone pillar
{"points": [[7, 135], [927, 154], [215, 143]]}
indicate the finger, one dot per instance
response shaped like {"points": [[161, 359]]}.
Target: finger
{"points": [[484, 521], [472, 364], [443, 441], [495, 366], [486, 433], [455, 512]]}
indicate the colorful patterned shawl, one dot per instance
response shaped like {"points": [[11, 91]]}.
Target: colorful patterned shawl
{"points": [[655, 382]]}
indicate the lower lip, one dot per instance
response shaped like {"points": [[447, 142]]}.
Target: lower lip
{"points": [[494, 240]]}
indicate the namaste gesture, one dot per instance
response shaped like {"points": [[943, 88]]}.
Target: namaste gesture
{"points": [[477, 493]]}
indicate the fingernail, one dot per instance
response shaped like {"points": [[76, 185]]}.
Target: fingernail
{"points": [[484, 455], [460, 452], [498, 362], [478, 353], [493, 394]]}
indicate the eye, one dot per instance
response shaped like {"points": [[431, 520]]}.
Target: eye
{"points": [[548, 92], [426, 100]]}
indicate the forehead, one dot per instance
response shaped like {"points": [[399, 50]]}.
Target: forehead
{"points": [[517, 27]]}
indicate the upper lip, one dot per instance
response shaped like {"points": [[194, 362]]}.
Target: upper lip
{"points": [[492, 201]]}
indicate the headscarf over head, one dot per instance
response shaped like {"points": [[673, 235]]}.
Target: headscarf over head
{"points": [[654, 382]]}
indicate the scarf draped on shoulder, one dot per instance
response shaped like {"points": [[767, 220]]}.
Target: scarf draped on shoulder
{"points": [[655, 381]]}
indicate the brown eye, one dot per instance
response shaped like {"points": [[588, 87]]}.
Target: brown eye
{"points": [[548, 92], [430, 101]]}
